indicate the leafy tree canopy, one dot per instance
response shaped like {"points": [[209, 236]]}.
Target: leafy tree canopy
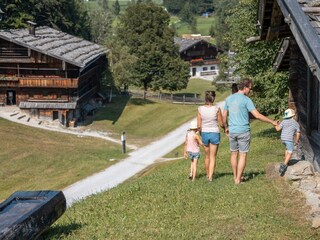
{"points": [[198, 6], [144, 30], [253, 60], [67, 15]]}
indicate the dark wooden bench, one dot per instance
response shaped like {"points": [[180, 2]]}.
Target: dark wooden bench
{"points": [[27, 214]]}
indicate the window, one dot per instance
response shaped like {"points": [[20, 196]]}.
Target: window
{"points": [[204, 68], [213, 68]]}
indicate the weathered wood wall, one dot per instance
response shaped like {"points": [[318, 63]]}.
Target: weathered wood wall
{"points": [[304, 98]]}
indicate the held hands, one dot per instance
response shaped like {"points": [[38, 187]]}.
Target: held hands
{"points": [[185, 155], [226, 131]]}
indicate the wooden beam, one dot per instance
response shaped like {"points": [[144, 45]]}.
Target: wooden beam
{"points": [[311, 9]]}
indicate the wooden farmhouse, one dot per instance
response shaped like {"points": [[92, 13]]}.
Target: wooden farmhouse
{"points": [[297, 23], [49, 74], [201, 55]]}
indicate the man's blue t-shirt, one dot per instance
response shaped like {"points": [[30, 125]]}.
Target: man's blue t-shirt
{"points": [[238, 105]]}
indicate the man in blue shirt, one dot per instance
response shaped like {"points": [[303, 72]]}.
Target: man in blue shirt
{"points": [[236, 111]]}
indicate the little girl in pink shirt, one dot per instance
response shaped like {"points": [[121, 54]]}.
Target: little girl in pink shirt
{"points": [[192, 149]]}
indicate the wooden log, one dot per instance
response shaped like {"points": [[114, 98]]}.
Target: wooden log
{"points": [[27, 214]]}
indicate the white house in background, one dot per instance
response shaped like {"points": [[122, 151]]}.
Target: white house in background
{"points": [[201, 55]]}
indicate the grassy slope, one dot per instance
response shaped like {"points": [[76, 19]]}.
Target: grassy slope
{"points": [[164, 204], [145, 120], [58, 160], [203, 25], [37, 159]]}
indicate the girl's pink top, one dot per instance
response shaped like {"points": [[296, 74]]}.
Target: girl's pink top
{"points": [[192, 144]]}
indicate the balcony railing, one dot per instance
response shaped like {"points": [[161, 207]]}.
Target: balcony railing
{"points": [[13, 52]]}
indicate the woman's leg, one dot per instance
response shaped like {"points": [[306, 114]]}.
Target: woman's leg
{"points": [[207, 159], [213, 155]]}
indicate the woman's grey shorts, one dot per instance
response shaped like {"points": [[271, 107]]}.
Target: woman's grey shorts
{"points": [[239, 142]]}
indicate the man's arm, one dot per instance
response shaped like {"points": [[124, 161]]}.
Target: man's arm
{"points": [[224, 118], [263, 118], [220, 119]]}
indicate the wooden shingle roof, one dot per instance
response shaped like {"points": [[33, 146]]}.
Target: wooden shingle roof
{"points": [[57, 44], [185, 44]]}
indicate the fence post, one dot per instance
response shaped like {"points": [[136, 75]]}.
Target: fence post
{"points": [[184, 99], [171, 97], [195, 98], [123, 141]]}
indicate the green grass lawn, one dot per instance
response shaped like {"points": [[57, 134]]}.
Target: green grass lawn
{"points": [[147, 120], [203, 25], [35, 159], [164, 204]]}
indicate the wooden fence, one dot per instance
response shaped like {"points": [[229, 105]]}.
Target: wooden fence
{"points": [[167, 97]]}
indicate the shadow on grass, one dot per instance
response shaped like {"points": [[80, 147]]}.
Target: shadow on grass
{"points": [[57, 232], [271, 132], [140, 101], [112, 111], [247, 175]]}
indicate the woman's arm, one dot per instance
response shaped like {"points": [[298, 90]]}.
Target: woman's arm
{"points": [[220, 119], [199, 122], [198, 139]]}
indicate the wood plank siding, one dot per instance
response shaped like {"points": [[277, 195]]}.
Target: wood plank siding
{"points": [[46, 66], [300, 55]]}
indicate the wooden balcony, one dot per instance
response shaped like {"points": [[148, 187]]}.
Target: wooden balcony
{"points": [[38, 81]]}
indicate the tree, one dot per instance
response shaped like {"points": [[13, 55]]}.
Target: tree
{"points": [[100, 25], [104, 4], [66, 15], [144, 30], [186, 14], [255, 59], [173, 6], [222, 11], [121, 63], [116, 8]]}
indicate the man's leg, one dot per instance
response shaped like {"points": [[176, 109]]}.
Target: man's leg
{"points": [[241, 166], [234, 164]]}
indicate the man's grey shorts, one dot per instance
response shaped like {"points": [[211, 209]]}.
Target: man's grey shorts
{"points": [[239, 142]]}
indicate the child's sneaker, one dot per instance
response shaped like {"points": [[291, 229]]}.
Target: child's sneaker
{"points": [[282, 169]]}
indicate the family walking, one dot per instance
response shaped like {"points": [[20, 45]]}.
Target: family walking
{"points": [[235, 121]]}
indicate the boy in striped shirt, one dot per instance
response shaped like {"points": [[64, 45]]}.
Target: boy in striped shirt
{"points": [[290, 136]]}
